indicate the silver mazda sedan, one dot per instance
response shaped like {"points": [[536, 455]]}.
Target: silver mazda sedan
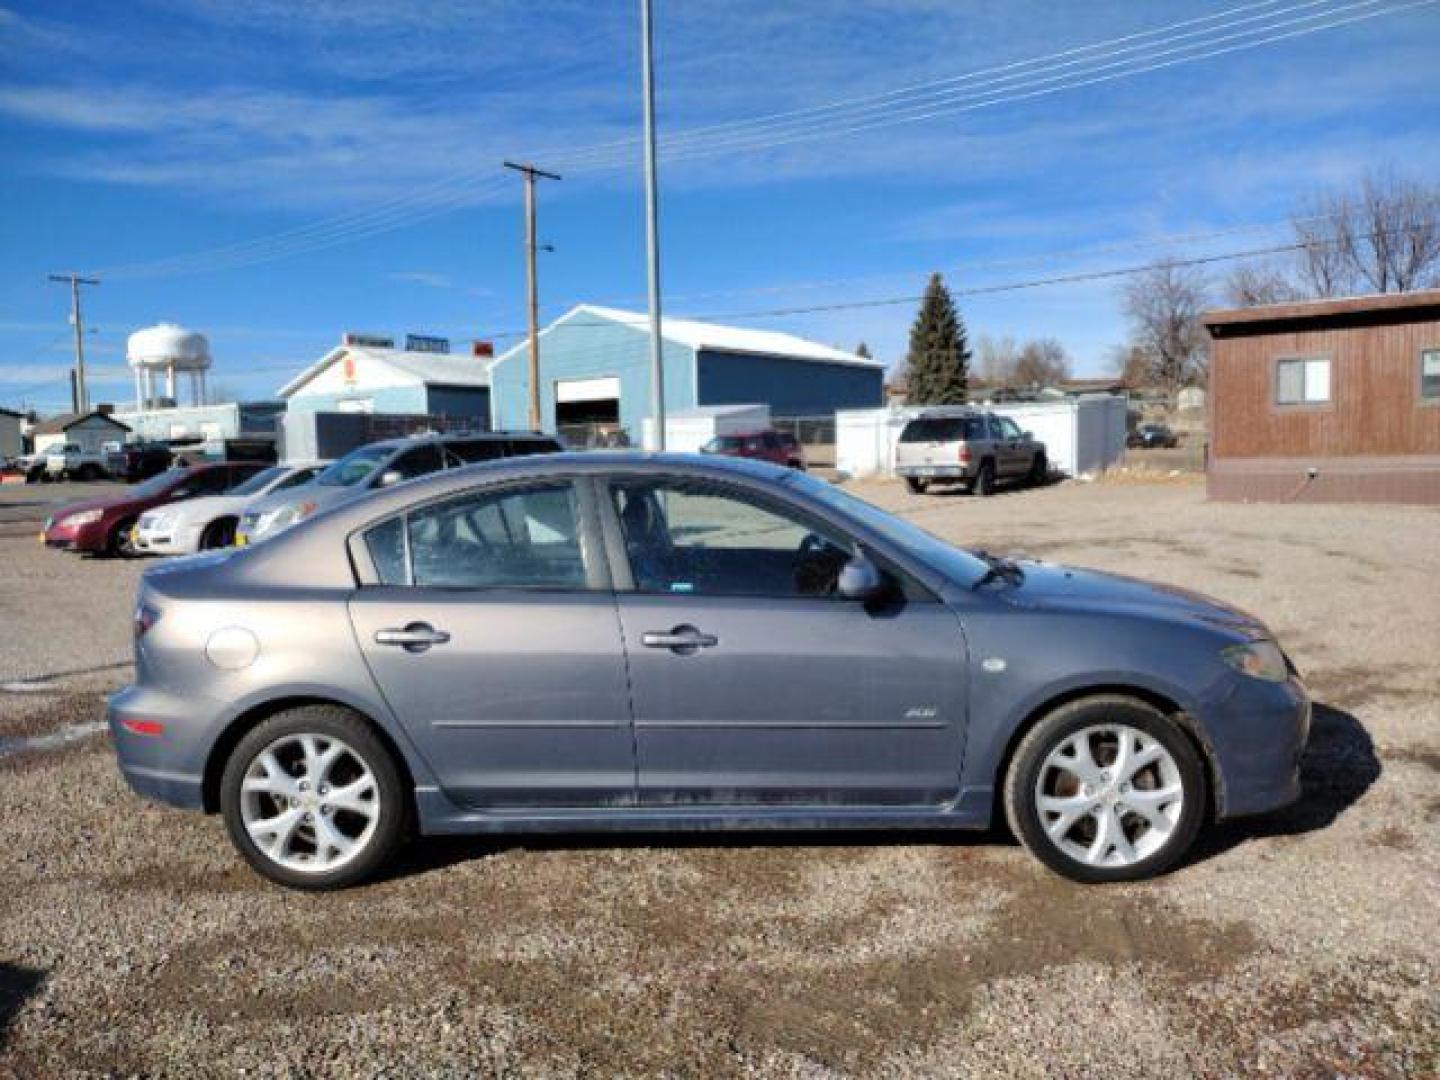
{"points": [[623, 641]]}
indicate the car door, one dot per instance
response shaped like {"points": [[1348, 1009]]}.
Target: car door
{"points": [[751, 682], [491, 630], [1010, 449]]}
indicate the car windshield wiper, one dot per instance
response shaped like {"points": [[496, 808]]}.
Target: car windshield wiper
{"points": [[997, 568]]}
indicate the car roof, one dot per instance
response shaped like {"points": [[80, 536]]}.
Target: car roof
{"points": [[458, 436]]}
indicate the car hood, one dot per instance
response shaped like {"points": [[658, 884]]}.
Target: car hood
{"points": [[321, 495], [100, 502], [1066, 588]]}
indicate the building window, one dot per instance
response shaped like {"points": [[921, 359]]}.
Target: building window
{"points": [[1430, 375], [1302, 381]]}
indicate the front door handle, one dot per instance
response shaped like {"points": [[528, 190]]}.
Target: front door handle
{"points": [[415, 637], [683, 640]]}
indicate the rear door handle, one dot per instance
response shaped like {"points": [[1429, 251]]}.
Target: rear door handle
{"points": [[681, 639], [415, 637]]}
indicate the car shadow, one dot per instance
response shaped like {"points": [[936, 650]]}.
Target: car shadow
{"points": [[1338, 767], [17, 985], [1003, 488]]}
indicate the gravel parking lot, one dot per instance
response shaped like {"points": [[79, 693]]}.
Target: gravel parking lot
{"points": [[133, 941]]}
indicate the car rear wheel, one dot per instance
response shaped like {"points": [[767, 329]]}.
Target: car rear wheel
{"points": [[1106, 789], [218, 534], [312, 799], [916, 485], [984, 484]]}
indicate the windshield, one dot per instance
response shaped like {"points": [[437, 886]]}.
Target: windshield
{"points": [[157, 485], [953, 562], [938, 429], [721, 443], [354, 466], [259, 481]]}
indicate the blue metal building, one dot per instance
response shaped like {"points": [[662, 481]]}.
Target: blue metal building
{"points": [[595, 370]]}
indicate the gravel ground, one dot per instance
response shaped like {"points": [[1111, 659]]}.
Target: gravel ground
{"points": [[132, 941]]}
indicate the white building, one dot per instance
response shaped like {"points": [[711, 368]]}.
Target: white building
{"points": [[368, 374], [89, 431]]}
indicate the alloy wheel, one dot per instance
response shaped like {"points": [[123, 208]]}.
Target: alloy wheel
{"points": [[310, 802], [1109, 795]]}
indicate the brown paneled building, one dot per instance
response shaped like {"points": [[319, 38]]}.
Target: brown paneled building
{"points": [[1327, 401]]}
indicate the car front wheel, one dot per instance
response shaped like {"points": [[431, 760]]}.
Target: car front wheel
{"points": [[1106, 789], [313, 800]]}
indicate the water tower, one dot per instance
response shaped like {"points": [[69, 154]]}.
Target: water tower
{"points": [[166, 350]]}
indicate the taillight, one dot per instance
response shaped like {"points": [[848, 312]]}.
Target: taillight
{"points": [[964, 453], [145, 617]]}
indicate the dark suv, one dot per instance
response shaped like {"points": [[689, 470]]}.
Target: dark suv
{"points": [[381, 464], [777, 447], [138, 461]]}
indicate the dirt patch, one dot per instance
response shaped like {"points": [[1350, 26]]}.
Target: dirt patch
{"points": [[1351, 687], [1395, 838], [44, 713]]}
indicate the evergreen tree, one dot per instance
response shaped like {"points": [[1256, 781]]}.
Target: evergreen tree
{"points": [[937, 367], [863, 351]]}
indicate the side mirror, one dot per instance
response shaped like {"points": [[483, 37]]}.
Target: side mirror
{"points": [[860, 579], [389, 477], [1030, 435]]}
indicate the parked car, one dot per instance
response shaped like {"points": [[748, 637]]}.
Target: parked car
{"points": [[626, 641], [106, 525], [71, 461], [379, 465], [33, 467], [133, 462], [1152, 435], [207, 523], [779, 448], [972, 448]]}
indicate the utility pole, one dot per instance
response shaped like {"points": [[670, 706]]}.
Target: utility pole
{"points": [[652, 227], [81, 395], [530, 172]]}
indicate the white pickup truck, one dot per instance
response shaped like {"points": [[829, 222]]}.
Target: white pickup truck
{"points": [[73, 462]]}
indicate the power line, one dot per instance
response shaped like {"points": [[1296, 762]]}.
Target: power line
{"points": [[444, 195]]}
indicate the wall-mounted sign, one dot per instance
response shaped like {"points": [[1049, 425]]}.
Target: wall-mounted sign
{"points": [[482, 348], [347, 369], [367, 341], [422, 343]]}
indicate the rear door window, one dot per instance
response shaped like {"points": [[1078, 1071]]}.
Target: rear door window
{"points": [[935, 429], [417, 461], [518, 538]]}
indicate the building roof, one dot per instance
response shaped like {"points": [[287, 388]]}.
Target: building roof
{"points": [[440, 369], [1400, 307], [65, 421], [712, 336], [11, 412]]}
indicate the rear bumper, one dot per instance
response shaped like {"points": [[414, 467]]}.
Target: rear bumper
{"points": [[934, 472], [169, 765], [1256, 737]]}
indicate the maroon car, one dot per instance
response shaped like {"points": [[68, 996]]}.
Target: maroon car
{"points": [[773, 446], [102, 525]]}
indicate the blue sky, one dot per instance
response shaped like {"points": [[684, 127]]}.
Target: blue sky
{"points": [[274, 172]]}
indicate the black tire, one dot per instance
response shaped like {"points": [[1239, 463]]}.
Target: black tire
{"points": [[117, 545], [916, 485], [220, 533], [1023, 776], [392, 826], [984, 484], [1039, 470], [88, 472]]}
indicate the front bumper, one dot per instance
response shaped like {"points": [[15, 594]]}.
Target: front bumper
{"points": [[170, 540], [92, 537], [1256, 736]]}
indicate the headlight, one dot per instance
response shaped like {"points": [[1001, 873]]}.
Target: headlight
{"points": [[156, 521], [283, 518], [84, 517], [1259, 660]]}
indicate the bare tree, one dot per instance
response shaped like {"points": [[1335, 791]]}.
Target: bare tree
{"points": [[1163, 306], [1383, 238], [995, 359], [1251, 286], [1042, 362]]}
